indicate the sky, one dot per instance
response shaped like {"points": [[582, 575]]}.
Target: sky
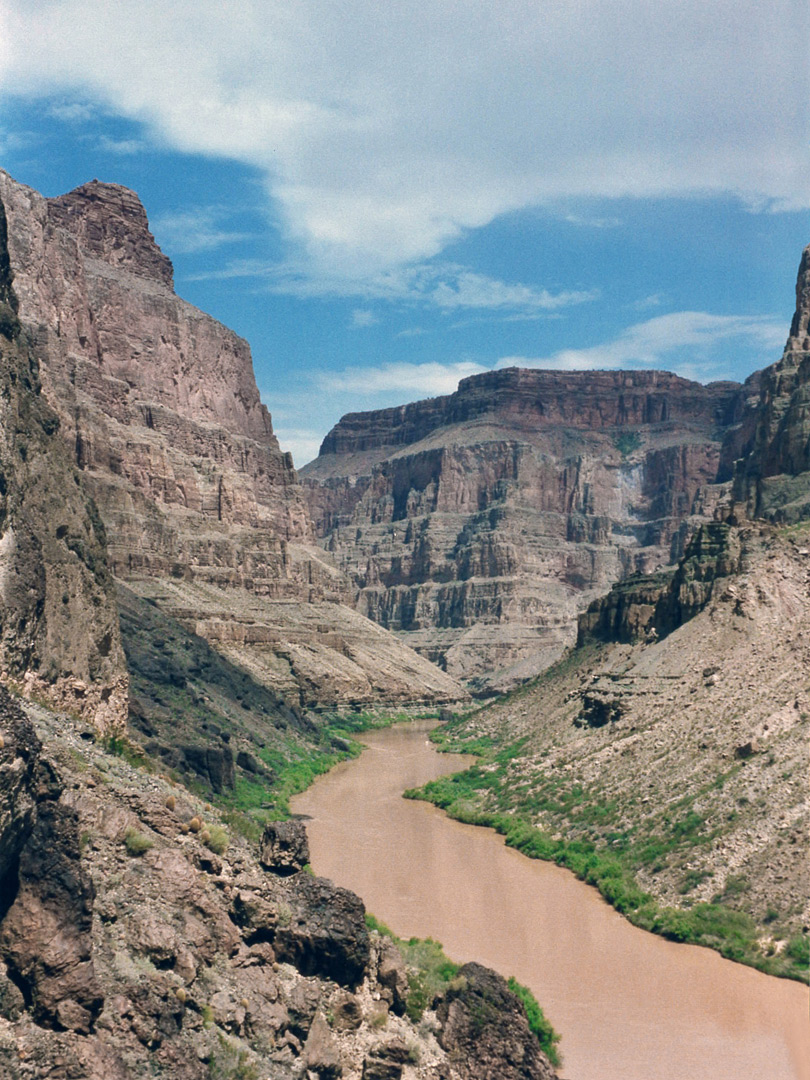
{"points": [[384, 198]]}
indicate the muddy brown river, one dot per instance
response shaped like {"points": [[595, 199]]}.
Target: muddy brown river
{"points": [[629, 1005]]}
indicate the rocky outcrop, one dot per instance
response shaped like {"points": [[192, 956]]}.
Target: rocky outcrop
{"points": [[205, 965], [485, 1032], [157, 402], [772, 449], [59, 634], [284, 848], [476, 526], [648, 607], [46, 897]]}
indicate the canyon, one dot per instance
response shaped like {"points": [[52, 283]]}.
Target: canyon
{"points": [[185, 620]]}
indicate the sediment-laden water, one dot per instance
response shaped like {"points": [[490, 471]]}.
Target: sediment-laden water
{"points": [[630, 1005]]}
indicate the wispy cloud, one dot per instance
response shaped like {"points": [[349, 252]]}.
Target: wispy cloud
{"points": [[464, 289], [675, 340], [73, 112], [196, 230], [123, 147], [362, 317], [448, 287], [411, 380]]}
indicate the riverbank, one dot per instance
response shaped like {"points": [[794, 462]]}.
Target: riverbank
{"points": [[678, 790], [628, 1003]]}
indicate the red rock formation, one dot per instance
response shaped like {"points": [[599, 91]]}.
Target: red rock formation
{"points": [[773, 447], [159, 404], [478, 524]]}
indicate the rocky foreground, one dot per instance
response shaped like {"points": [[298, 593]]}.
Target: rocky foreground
{"points": [[138, 938]]}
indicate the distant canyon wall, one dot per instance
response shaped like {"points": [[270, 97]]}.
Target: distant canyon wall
{"points": [[479, 524]]}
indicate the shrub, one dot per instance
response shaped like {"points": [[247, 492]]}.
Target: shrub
{"points": [[136, 843], [546, 1035], [218, 839], [798, 949]]}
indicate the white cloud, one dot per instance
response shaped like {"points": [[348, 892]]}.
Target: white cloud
{"points": [[362, 318], [192, 231], [686, 341], [412, 380], [446, 286], [470, 290], [124, 147], [73, 112], [386, 131]]}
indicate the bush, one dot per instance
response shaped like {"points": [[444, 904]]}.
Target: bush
{"points": [[546, 1035], [136, 843], [798, 949], [218, 839]]}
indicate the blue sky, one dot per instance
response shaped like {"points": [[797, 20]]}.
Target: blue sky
{"points": [[385, 198]]}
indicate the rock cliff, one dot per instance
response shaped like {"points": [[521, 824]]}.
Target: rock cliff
{"points": [[772, 450], [59, 635], [477, 525], [158, 404]]}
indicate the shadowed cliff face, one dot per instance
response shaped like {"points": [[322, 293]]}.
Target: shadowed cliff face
{"points": [[59, 633], [479, 524]]}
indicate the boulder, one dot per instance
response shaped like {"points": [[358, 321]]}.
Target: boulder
{"points": [[284, 847], [325, 933]]}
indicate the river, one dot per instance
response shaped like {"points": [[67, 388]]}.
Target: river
{"points": [[629, 1005]]}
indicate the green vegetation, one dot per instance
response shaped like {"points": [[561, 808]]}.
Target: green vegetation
{"points": [[218, 839], [627, 442], [546, 1035], [137, 843], [606, 852], [430, 971]]}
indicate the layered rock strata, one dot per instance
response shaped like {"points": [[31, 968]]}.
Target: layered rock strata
{"points": [[478, 525], [159, 405], [59, 636]]}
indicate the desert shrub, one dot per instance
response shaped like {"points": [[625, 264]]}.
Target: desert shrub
{"points": [[798, 949], [136, 843], [538, 1024], [218, 839]]}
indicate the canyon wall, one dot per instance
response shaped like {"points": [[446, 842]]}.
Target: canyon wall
{"points": [[479, 524], [159, 407], [59, 635], [772, 451]]}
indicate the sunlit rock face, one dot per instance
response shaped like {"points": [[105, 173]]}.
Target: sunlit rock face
{"points": [[158, 405], [479, 524]]}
